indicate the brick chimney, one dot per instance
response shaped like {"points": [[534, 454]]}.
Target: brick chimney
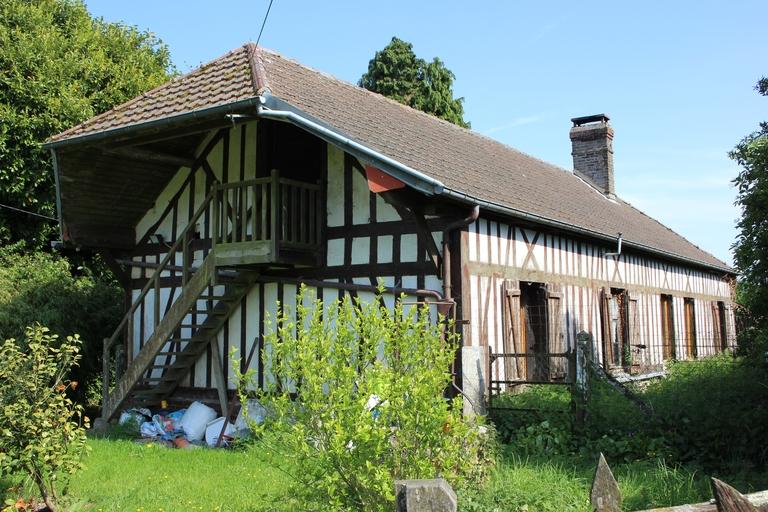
{"points": [[592, 150]]}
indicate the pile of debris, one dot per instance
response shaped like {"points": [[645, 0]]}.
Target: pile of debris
{"points": [[198, 425]]}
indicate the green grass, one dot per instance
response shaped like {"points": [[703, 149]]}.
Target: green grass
{"points": [[708, 400], [125, 476], [563, 484], [120, 475]]}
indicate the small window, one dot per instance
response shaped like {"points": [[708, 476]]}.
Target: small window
{"points": [[690, 328], [667, 327]]}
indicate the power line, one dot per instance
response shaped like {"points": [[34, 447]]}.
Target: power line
{"points": [[28, 212], [264, 22]]}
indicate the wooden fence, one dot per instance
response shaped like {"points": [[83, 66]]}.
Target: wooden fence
{"points": [[605, 496]]}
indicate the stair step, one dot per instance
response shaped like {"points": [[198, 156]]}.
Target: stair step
{"points": [[172, 365], [224, 298], [195, 326], [213, 312]]}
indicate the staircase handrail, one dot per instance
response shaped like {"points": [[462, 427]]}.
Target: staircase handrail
{"points": [[154, 281]]}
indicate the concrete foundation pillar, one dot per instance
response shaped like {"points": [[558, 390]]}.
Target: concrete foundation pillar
{"points": [[474, 368]]}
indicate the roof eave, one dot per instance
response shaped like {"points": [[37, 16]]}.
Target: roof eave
{"points": [[512, 212], [195, 115]]}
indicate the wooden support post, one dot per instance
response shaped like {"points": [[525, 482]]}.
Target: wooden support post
{"points": [[215, 217], [218, 375], [605, 495], [156, 293], [275, 207], [186, 261], [105, 379]]}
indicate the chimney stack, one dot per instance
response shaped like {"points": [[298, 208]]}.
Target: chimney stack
{"points": [[592, 150]]}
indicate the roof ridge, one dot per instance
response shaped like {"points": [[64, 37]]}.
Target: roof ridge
{"points": [[259, 78]]}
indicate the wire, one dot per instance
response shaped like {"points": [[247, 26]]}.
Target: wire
{"points": [[28, 212], [264, 22]]}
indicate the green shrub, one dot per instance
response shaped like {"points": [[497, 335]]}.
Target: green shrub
{"points": [[38, 287], [42, 432], [714, 411], [355, 394]]}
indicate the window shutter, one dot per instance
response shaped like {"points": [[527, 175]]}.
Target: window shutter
{"points": [[716, 335], [605, 317], [556, 339], [514, 367], [633, 332]]}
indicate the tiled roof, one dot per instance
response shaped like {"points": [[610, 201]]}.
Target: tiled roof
{"points": [[462, 160]]}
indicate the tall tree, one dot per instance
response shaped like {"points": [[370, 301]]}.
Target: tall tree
{"points": [[751, 248], [397, 73], [58, 67]]}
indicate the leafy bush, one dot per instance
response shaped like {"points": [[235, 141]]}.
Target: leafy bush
{"points": [[41, 287], [715, 411], [355, 395], [708, 413], [42, 432]]}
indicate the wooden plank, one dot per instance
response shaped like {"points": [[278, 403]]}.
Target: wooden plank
{"points": [[218, 374], [255, 194], [274, 208], [264, 207], [729, 499]]}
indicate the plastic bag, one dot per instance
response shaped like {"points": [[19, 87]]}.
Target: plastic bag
{"points": [[195, 419]]}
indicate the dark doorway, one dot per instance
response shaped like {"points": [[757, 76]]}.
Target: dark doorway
{"points": [[533, 316]]}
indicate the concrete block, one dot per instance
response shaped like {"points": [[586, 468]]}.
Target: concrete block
{"points": [[474, 380], [434, 495]]}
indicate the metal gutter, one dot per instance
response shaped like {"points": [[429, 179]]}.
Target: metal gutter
{"points": [[229, 108], [506, 210], [279, 110]]}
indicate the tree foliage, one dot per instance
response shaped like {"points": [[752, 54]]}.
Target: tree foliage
{"points": [[397, 73], [40, 287], [751, 248], [58, 67], [355, 400], [42, 432]]}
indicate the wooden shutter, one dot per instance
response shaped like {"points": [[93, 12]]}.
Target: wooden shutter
{"points": [[717, 336], [555, 336], [514, 368], [633, 333], [605, 320]]}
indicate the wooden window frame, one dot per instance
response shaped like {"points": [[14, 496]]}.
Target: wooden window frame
{"points": [[668, 341], [689, 317]]}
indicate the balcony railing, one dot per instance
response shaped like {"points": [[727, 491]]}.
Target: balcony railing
{"points": [[266, 220]]}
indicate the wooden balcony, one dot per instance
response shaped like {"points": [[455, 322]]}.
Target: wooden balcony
{"points": [[267, 220]]}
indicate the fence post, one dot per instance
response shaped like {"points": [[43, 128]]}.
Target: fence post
{"points": [[580, 391]]}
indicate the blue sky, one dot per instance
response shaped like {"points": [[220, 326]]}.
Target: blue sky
{"points": [[676, 78]]}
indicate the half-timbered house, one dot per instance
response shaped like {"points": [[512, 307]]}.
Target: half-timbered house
{"points": [[216, 195]]}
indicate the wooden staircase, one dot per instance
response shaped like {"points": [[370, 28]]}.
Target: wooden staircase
{"points": [[254, 224], [164, 361]]}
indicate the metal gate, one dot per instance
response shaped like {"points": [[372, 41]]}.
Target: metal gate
{"points": [[511, 369]]}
